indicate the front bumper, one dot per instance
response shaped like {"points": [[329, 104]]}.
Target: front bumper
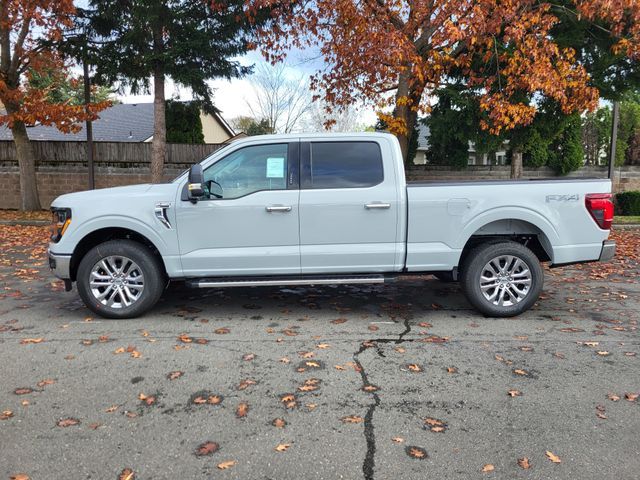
{"points": [[608, 251], [60, 265]]}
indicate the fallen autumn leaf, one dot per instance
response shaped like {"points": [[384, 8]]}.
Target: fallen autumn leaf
{"points": [[207, 448], [127, 474], [242, 409], [226, 465], [352, 419], [68, 422], [553, 457], [416, 452], [524, 463], [279, 422]]}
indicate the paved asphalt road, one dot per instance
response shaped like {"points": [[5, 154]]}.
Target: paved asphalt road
{"points": [[386, 382]]}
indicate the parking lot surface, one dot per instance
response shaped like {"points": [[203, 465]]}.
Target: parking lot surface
{"points": [[373, 382]]}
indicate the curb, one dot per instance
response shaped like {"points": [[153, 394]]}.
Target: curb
{"points": [[25, 223], [626, 226]]}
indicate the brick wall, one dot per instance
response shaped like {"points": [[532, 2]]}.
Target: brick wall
{"points": [[57, 180], [61, 166], [53, 182]]}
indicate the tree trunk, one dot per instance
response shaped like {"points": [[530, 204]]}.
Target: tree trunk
{"points": [[410, 118], [516, 164], [159, 142], [29, 199], [407, 111], [88, 124]]}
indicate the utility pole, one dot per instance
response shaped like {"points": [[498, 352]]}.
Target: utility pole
{"points": [[89, 123], [614, 137]]}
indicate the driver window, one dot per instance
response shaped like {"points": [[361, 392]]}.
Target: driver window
{"points": [[248, 170]]}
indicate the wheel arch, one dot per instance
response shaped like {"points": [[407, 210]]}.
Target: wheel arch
{"points": [[522, 226], [105, 234]]}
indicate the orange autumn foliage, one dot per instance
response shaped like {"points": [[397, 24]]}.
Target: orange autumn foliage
{"points": [[393, 53], [24, 26]]}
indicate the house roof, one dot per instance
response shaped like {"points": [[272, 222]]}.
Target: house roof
{"points": [[423, 136], [123, 122], [225, 125]]}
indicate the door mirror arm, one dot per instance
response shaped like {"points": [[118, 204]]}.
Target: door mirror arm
{"points": [[214, 192]]}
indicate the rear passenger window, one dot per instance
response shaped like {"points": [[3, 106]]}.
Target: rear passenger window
{"points": [[344, 165]]}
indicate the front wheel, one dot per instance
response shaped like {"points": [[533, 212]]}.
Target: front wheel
{"points": [[502, 279], [120, 279]]}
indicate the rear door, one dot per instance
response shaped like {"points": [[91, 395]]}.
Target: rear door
{"points": [[349, 208]]}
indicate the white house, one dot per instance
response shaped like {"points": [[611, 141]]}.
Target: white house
{"points": [[475, 158]]}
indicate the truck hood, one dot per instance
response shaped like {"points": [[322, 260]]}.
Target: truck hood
{"points": [[130, 192]]}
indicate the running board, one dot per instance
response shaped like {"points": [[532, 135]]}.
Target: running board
{"points": [[283, 281]]}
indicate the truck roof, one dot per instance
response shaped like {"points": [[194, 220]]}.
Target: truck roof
{"points": [[313, 136]]}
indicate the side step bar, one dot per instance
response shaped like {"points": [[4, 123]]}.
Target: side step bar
{"points": [[283, 281]]}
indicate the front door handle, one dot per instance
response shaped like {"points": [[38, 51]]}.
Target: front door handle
{"points": [[377, 205], [278, 208]]}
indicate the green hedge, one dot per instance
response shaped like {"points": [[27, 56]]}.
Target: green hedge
{"points": [[183, 122], [628, 203]]}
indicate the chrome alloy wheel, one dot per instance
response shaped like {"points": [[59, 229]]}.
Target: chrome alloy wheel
{"points": [[116, 281], [505, 280]]}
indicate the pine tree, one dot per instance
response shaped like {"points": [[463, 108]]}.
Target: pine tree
{"points": [[568, 154], [139, 43]]}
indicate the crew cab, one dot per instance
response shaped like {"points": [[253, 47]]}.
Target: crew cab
{"points": [[323, 209]]}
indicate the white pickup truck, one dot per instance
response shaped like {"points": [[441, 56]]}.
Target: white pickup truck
{"points": [[323, 209]]}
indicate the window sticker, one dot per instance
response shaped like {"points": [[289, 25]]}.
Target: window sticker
{"points": [[275, 167]]}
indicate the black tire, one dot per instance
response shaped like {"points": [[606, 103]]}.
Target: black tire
{"points": [[150, 267], [474, 267], [446, 277]]}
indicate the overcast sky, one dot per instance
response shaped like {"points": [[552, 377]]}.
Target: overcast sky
{"points": [[231, 96]]}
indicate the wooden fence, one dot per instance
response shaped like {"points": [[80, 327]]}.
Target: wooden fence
{"points": [[121, 154]]}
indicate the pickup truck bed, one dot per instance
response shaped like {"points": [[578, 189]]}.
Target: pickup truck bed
{"points": [[551, 210]]}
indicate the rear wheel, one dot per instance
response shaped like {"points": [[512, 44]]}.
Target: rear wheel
{"points": [[502, 279], [120, 279]]}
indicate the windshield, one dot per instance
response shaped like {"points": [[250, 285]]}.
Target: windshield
{"points": [[216, 152]]}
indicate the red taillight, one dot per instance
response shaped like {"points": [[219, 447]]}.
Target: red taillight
{"points": [[600, 207]]}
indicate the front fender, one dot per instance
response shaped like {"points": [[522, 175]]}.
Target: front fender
{"points": [[69, 241]]}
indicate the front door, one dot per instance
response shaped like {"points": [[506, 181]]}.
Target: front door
{"points": [[349, 208], [249, 224]]}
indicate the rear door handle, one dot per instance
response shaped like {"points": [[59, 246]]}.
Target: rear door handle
{"points": [[377, 206], [278, 208]]}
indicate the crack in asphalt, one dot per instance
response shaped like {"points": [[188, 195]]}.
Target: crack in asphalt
{"points": [[369, 434], [368, 465]]}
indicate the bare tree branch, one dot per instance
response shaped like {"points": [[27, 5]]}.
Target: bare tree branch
{"points": [[279, 99], [19, 43]]}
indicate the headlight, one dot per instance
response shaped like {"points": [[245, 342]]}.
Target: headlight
{"points": [[61, 218]]}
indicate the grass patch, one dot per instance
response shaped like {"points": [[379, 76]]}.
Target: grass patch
{"points": [[18, 215], [626, 219]]}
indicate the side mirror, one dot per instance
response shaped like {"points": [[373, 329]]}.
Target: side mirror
{"points": [[195, 187]]}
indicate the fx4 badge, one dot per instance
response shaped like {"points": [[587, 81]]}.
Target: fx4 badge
{"points": [[563, 198]]}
